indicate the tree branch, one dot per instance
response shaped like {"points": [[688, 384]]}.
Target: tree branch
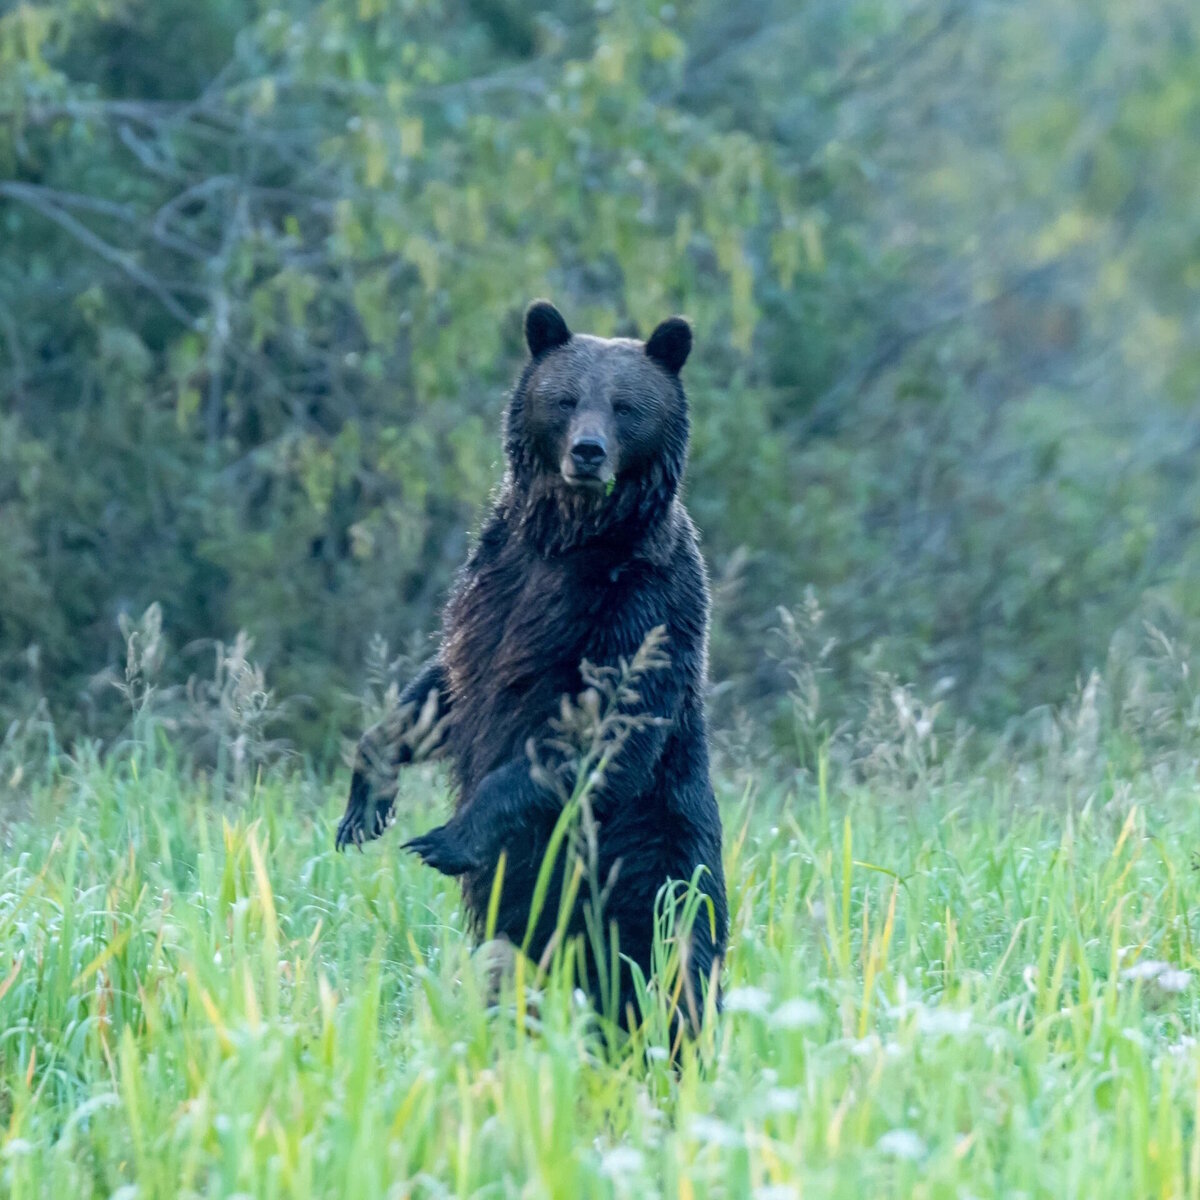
{"points": [[121, 259]]}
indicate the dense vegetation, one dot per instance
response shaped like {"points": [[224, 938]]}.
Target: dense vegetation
{"points": [[941, 982], [262, 265]]}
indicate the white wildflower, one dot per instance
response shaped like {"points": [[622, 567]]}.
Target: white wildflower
{"points": [[949, 1022], [712, 1131], [747, 1000], [796, 1014], [901, 1143], [783, 1100], [1148, 968], [1174, 980], [621, 1160]]}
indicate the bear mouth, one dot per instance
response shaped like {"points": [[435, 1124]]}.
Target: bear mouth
{"points": [[585, 479], [589, 483]]}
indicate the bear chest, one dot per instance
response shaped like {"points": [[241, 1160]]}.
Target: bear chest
{"points": [[515, 638]]}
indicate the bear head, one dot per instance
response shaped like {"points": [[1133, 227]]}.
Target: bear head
{"points": [[596, 431]]}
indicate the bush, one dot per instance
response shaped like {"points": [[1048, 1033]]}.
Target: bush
{"points": [[263, 268]]}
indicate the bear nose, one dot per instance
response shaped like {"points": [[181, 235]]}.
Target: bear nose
{"points": [[588, 452]]}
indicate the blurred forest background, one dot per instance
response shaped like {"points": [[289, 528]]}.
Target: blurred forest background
{"points": [[263, 263]]}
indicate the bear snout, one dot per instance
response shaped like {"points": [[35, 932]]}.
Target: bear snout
{"points": [[587, 462], [588, 453]]}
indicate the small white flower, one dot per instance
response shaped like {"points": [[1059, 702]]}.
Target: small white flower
{"points": [[1164, 976], [1174, 980], [1148, 968], [621, 1160], [901, 1143], [950, 1022], [714, 1132], [781, 1100], [796, 1014], [747, 1000]]}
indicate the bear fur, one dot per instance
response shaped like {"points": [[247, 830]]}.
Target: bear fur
{"points": [[587, 548]]}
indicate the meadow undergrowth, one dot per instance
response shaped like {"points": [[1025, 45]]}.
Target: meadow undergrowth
{"points": [[965, 986]]}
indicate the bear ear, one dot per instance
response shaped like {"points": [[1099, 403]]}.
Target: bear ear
{"points": [[670, 344], [545, 328]]}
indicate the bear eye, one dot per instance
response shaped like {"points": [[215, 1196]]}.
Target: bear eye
{"points": [[622, 408], [567, 404]]}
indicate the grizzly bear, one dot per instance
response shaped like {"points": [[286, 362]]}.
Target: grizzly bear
{"points": [[586, 550]]}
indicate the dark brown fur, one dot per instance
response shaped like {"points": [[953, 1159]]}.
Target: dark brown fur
{"points": [[571, 567]]}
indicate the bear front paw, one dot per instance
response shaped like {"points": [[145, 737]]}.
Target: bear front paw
{"points": [[364, 819], [446, 849]]}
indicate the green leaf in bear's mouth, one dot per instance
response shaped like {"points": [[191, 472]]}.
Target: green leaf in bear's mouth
{"points": [[608, 487]]}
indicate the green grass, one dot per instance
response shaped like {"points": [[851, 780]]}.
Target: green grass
{"points": [[929, 993]]}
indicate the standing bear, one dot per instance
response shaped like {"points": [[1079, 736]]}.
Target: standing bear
{"points": [[586, 550]]}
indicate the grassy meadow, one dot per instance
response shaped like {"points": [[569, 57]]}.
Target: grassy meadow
{"points": [[953, 983], [262, 277]]}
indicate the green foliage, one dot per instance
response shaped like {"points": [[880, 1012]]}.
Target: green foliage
{"points": [[936, 986], [262, 267]]}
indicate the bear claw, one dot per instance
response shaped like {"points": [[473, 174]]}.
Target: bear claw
{"points": [[358, 827], [445, 851]]}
